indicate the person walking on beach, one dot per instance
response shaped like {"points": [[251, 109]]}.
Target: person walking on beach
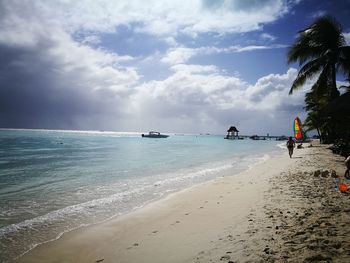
{"points": [[347, 164], [290, 146]]}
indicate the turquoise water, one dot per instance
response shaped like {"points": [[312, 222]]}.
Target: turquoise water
{"points": [[52, 182]]}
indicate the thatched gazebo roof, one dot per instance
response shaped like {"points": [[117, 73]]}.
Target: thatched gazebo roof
{"points": [[232, 129]]}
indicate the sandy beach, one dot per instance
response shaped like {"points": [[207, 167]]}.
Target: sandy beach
{"points": [[281, 210]]}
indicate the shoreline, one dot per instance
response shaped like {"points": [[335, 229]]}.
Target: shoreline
{"points": [[192, 177], [230, 218], [239, 181]]}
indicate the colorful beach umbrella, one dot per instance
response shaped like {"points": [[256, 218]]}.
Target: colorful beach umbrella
{"points": [[298, 134]]}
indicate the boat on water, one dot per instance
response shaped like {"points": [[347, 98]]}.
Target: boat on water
{"points": [[153, 134]]}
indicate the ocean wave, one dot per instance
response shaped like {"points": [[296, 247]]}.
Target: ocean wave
{"points": [[26, 235], [282, 145], [135, 191]]}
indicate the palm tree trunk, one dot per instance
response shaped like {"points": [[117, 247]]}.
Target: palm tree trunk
{"points": [[319, 134], [334, 91]]}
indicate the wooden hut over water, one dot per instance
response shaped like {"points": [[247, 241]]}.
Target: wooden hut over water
{"points": [[232, 133]]}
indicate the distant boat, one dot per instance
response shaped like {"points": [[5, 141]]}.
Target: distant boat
{"points": [[153, 134]]}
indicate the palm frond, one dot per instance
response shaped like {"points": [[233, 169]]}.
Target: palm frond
{"points": [[307, 71], [311, 102], [312, 121], [344, 61], [324, 90], [323, 35], [320, 49], [303, 50], [328, 31], [322, 84]]}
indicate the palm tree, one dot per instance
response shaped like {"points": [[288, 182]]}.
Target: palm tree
{"points": [[321, 52], [320, 49], [312, 122]]}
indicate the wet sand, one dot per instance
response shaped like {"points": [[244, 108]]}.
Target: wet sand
{"points": [[278, 211]]}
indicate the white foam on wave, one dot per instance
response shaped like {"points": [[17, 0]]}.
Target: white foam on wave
{"points": [[136, 193], [282, 145], [28, 234], [259, 159], [165, 181], [61, 215]]}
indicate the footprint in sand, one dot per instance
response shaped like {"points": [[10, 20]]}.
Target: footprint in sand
{"points": [[230, 238], [133, 246], [225, 257], [177, 222]]}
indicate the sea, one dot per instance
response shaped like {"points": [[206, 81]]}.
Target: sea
{"points": [[52, 182]]}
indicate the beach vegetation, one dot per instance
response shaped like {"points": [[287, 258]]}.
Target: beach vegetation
{"points": [[322, 54]]}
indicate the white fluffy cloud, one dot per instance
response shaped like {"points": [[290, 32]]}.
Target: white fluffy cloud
{"points": [[31, 30], [347, 38], [271, 91], [157, 17], [51, 80], [203, 98]]}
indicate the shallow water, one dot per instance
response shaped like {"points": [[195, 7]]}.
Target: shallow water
{"points": [[52, 182]]}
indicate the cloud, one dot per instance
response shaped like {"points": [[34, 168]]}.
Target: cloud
{"points": [[56, 88], [54, 75], [202, 98], [319, 13], [238, 49], [179, 55], [347, 38], [271, 91], [269, 37], [236, 16], [155, 17], [49, 80]]}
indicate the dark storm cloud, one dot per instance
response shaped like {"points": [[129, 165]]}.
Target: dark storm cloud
{"points": [[35, 94]]}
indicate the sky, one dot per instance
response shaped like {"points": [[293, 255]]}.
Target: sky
{"points": [[184, 66]]}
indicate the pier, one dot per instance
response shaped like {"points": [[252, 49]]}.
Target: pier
{"points": [[265, 137]]}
